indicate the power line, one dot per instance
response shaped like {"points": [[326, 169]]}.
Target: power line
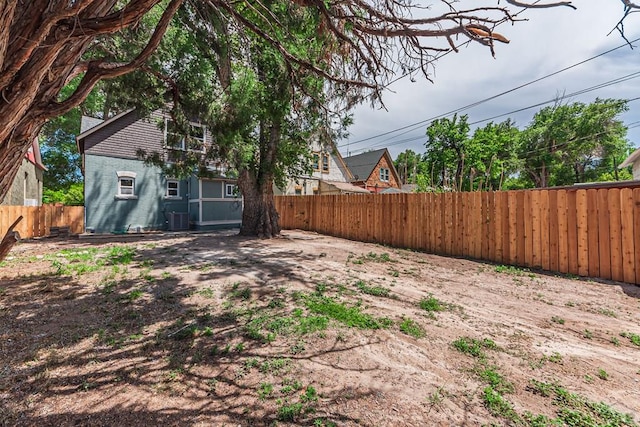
{"points": [[482, 101], [539, 104]]}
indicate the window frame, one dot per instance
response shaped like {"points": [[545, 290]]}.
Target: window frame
{"points": [[326, 163], [183, 140], [168, 190], [234, 189], [126, 176], [385, 174], [315, 161]]}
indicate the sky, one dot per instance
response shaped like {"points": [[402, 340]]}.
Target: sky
{"points": [[550, 40]]}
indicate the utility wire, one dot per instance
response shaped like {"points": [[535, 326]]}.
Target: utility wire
{"points": [[539, 104], [482, 101]]}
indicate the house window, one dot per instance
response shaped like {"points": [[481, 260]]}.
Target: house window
{"points": [[315, 162], [126, 185], [384, 174], [230, 190], [298, 190], [175, 139], [173, 188], [325, 162]]}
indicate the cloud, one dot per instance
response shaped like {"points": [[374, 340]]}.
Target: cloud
{"points": [[549, 40]]}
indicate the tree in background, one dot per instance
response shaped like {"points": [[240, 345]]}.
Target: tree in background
{"points": [[492, 156], [409, 165], [571, 143], [447, 146], [564, 144]]}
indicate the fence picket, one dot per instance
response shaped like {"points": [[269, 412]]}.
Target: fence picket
{"points": [[590, 232]]}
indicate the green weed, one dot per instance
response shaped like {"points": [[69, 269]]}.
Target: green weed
{"points": [[431, 304], [495, 380], [265, 390], [603, 375], [207, 293], [498, 405], [474, 347], [634, 338], [410, 327], [350, 316], [378, 291]]}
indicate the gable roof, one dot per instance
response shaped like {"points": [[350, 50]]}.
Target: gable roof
{"points": [[361, 165], [33, 154], [631, 159], [98, 124]]}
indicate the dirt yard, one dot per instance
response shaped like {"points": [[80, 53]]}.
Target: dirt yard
{"points": [[215, 329]]}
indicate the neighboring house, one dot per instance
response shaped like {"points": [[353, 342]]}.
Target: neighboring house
{"points": [[330, 175], [634, 161], [26, 189], [122, 194], [373, 171]]}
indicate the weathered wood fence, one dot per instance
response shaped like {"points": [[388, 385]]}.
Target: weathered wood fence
{"points": [[588, 232], [38, 220]]}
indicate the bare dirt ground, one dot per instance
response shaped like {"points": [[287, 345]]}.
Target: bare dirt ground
{"points": [[215, 329]]}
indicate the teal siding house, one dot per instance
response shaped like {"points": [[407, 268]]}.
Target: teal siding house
{"points": [[123, 195]]}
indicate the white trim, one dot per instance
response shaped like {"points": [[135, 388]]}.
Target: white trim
{"points": [[126, 174], [200, 200], [125, 197], [217, 199], [229, 221], [234, 188], [177, 189]]}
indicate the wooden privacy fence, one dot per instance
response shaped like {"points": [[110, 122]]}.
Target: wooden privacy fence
{"points": [[38, 220], [588, 232]]}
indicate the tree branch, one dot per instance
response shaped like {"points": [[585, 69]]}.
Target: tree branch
{"points": [[98, 70]]}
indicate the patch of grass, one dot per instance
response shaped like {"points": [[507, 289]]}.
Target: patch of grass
{"points": [[474, 347], [135, 294], [587, 334], [555, 357], [436, 398], [498, 406], [310, 395], [607, 312], [240, 293], [558, 320], [274, 366], [289, 411], [431, 304], [378, 291], [411, 328], [496, 381], [207, 293], [289, 386], [512, 270], [117, 255], [265, 390], [634, 338], [575, 410], [350, 316], [602, 374]]}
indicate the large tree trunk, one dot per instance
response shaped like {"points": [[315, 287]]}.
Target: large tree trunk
{"points": [[259, 215]]}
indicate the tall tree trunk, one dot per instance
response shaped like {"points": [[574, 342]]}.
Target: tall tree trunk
{"points": [[259, 215]]}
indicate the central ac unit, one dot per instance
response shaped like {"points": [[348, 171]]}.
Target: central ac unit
{"points": [[178, 221]]}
